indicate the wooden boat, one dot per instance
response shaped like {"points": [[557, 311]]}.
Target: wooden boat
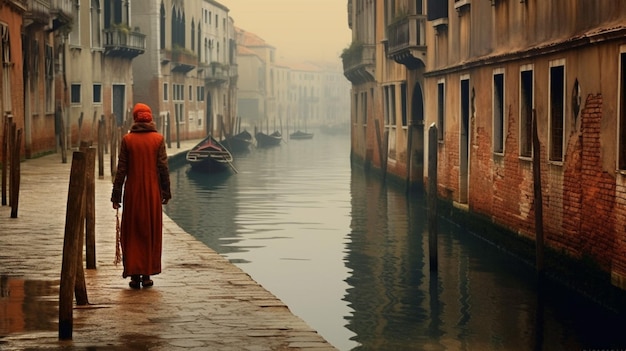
{"points": [[209, 155], [265, 140], [299, 135], [238, 143]]}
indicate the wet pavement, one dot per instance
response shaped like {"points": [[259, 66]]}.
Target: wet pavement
{"points": [[201, 301]]}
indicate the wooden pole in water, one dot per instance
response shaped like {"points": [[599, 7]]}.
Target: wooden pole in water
{"points": [[5, 157], [381, 155], [12, 161], [538, 197], [16, 176], [73, 227], [432, 198]]}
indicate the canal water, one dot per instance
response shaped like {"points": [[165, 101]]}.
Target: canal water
{"points": [[350, 257]]}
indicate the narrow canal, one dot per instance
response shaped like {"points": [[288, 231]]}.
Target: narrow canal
{"points": [[350, 257]]}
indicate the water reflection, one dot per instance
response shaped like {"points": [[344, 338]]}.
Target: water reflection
{"points": [[479, 299], [27, 305], [350, 257]]}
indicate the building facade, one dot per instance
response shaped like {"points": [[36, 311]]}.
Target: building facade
{"points": [[189, 72], [96, 67], [255, 99], [481, 71]]}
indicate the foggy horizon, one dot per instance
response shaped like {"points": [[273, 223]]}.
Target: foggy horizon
{"points": [[300, 31]]}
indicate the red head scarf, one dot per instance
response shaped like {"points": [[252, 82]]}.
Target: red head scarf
{"points": [[142, 113]]}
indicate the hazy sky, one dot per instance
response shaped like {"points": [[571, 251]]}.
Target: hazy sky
{"points": [[316, 30]]}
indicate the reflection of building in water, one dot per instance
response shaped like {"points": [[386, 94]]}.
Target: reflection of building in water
{"points": [[480, 299], [27, 305]]}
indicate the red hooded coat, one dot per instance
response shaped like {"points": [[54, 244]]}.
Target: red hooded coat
{"points": [[143, 173]]}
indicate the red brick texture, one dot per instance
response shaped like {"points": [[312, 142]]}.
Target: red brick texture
{"points": [[584, 207]]}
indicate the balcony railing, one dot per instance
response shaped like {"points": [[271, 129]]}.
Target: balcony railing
{"points": [[123, 42], [37, 12], [62, 8], [214, 73], [406, 41], [180, 59], [359, 62]]}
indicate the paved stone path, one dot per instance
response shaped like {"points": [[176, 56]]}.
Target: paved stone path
{"points": [[200, 301]]}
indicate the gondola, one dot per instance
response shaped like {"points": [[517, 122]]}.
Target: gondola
{"points": [[209, 155], [238, 143], [266, 140], [300, 135]]}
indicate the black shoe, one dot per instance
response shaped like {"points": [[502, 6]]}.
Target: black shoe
{"points": [[146, 281], [134, 282]]}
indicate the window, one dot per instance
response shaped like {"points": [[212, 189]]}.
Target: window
{"points": [[6, 68], [557, 110], [200, 93], [75, 94], [95, 24], [621, 137], [403, 97], [75, 33], [364, 107], [49, 78], [97, 93], [441, 108], [526, 112], [355, 101], [190, 93], [165, 92], [178, 92], [498, 111], [193, 36], [162, 27], [389, 106]]}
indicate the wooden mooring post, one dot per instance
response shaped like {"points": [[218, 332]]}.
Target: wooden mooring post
{"points": [[16, 147], [102, 142], [538, 198], [432, 198], [74, 222], [5, 157], [90, 204]]}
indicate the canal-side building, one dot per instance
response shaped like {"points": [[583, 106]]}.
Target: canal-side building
{"points": [[306, 81], [385, 63], [335, 100], [12, 87], [188, 74], [484, 70], [96, 67], [257, 102], [359, 65], [33, 34], [492, 67]]}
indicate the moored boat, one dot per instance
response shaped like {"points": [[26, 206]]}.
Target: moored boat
{"points": [[209, 155], [265, 140], [300, 135], [238, 143]]}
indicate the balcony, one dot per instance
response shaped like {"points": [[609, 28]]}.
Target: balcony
{"points": [[406, 41], [359, 62], [214, 73], [122, 42], [37, 13], [62, 15], [182, 61]]}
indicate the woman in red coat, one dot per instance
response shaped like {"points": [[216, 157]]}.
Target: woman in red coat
{"points": [[143, 173]]}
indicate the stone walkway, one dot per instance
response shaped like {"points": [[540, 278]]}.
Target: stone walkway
{"points": [[200, 302]]}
